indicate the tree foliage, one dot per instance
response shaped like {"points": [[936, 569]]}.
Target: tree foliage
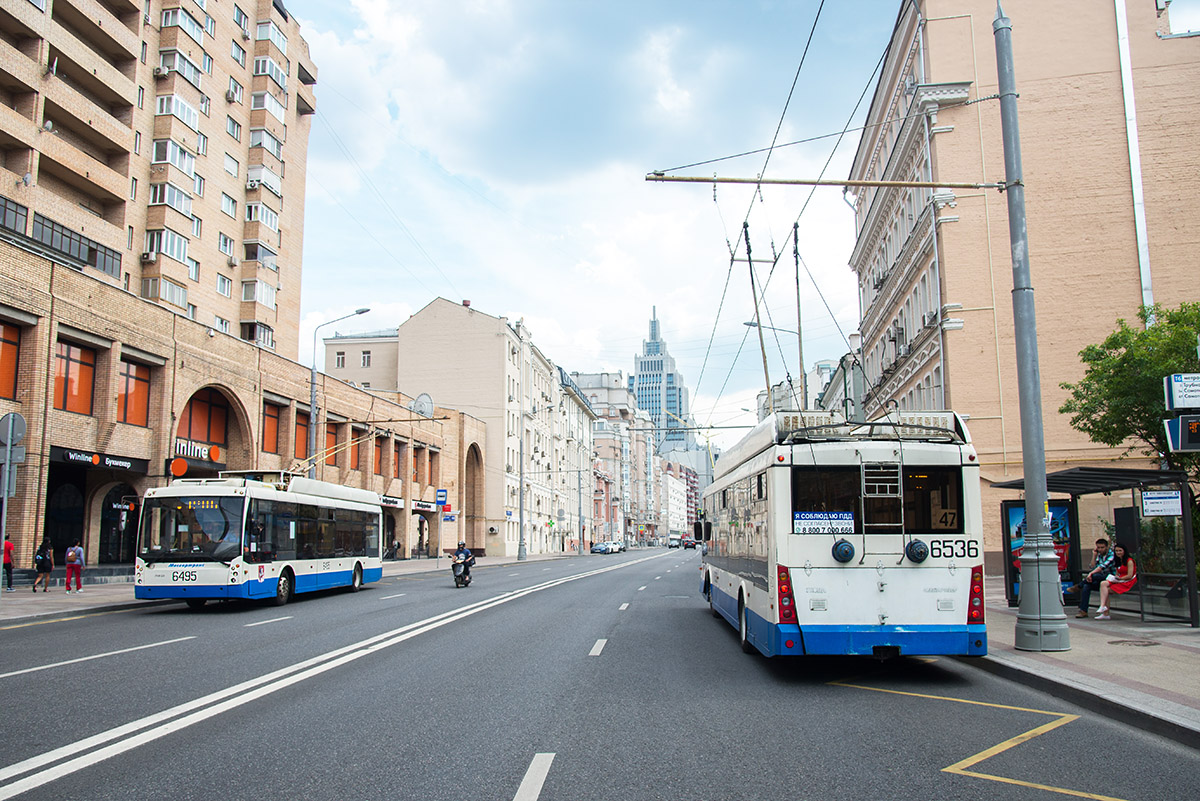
{"points": [[1119, 401]]}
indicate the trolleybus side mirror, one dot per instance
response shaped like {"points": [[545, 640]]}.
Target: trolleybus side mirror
{"points": [[707, 531], [698, 531]]}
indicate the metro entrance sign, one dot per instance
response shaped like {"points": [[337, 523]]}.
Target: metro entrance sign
{"points": [[1182, 390]]}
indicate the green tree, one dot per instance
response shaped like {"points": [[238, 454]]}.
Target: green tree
{"points": [[1119, 400]]}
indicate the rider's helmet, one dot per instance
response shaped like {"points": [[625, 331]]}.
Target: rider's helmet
{"points": [[462, 544]]}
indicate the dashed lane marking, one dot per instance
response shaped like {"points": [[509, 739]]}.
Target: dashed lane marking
{"points": [[641, 588], [93, 656], [597, 648], [961, 767], [535, 777], [623, 607], [397, 595], [265, 622]]}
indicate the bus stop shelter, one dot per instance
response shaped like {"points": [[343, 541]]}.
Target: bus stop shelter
{"points": [[1169, 587]]}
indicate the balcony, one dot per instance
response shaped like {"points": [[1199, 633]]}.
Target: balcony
{"points": [[92, 70], [97, 25]]}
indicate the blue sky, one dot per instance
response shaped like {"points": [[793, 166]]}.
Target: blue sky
{"points": [[495, 150]]}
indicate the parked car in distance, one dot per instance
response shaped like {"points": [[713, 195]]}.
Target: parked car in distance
{"points": [[600, 547]]}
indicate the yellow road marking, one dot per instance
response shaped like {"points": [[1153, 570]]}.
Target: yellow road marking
{"points": [[960, 767]]}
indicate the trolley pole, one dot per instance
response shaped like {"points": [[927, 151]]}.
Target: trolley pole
{"points": [[1041, 623]]}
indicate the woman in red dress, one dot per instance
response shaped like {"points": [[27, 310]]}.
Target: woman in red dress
{"points": [[1120, 582]]}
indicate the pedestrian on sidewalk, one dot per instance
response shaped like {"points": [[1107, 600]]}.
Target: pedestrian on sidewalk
{"points": [[43, 563], [8, 563], [1117, 583], [74, 559], [1103, 561]]}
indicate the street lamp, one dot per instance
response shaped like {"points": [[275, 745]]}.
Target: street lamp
{"points": [[803, 374], [312, 393]]}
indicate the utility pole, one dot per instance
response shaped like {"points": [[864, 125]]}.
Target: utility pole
{"points": [[522, 554], [799, 324], [1041, 623], [762, 346]]}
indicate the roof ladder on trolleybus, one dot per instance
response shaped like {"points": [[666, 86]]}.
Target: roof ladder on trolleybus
{"points": [[881, 480]]}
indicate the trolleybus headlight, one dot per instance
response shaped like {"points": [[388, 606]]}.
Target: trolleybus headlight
{"points": [[843, 550], [916, 551]]}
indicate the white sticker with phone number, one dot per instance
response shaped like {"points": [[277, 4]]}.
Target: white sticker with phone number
{"points": [[823, 523]]}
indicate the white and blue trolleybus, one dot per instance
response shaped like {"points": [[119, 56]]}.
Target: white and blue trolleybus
{"points": [[255, 535], [828, 537]]}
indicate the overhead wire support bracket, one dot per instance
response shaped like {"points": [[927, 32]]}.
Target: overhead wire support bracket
{"points": [[696, 179]]}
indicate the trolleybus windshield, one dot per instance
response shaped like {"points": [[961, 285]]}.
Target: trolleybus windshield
{"points": [[205, 529]]}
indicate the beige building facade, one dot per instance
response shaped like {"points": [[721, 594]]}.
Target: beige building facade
{"points": [[539, 439], [934, 266], [160, 147]]}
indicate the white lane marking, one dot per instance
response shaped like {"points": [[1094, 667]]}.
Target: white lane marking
{"points": [[265, 622], [397, 595], [656, 578], [668, 571], [514, 574], [535, 777], [641, 588], [93, 656], [623, 607], [544, 569], [177, 718], [597, 648]]}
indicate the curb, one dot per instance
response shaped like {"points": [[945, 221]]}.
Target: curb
{"points": [[87, 610], [1134, 716]]}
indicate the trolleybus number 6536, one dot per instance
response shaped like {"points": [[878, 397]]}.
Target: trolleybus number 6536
{"points": [[959, 548]]}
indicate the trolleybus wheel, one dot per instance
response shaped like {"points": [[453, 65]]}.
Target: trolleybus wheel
{"points": [[283, 590], [356, 582], [743, 632], [708, 592], [196, 603]]}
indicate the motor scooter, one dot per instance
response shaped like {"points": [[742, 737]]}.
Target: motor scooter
{"points": [[462, 577]]}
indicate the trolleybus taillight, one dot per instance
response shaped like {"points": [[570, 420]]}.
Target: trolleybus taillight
{"points": [[787, 604], [975, 605]]}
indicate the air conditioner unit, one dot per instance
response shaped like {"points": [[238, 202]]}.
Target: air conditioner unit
{"points": [[161, 72], [233, 262], [146, 19], [230, 95], [902, 351], [252, 184], [245, 34], [930, 318], [149, 257]]}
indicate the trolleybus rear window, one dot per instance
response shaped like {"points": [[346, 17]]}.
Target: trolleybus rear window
{"points": [[841, 500]]}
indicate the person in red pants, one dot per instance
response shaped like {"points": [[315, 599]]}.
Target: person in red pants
{"points": [[74, 559]]}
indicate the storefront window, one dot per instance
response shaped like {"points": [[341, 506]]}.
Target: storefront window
{"points": [[133, 394], [74, 374], [331, 443], [301, 448], [10, 348]]}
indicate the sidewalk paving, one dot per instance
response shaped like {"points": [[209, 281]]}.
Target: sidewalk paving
{"points": [[1145, 673]]}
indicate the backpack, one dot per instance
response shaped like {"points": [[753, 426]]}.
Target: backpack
{"points": [[71, 556], [41, 556]]}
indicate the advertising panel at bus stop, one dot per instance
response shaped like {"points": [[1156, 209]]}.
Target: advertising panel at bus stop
{"points": [[1064, 532]]}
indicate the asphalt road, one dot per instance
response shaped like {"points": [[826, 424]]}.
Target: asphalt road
{"points": [[591, 678]]}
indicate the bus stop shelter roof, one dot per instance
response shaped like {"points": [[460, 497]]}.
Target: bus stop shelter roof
{"points": [[1087, 480]]}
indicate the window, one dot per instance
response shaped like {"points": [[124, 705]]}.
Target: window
{"points": [[263, 138], [225, 244], [167, 242], [210, 26], [231, 165], [264, 176], [265, 65], [262, 213], [259, 334], [204, 418], [300, 451], [171, 195], [267, 100], [331, 444], [355, 436], [256, 251], [133, 394], [168, 151], [201, 144], [74, 374], [366, 358], [63, 240], [10, 351], [137, 142], [233, 128], [236, 89], [128, 246], [141, 95], [205, 105], [241, 20], [162, 289], [339, 359], [173, 17], [224, 286], [193, 269], [199, 186], [222, 325], [259, 292], [268, 30], [133, 188], [229, 205], [143, 52], [239, 54], [177, 61], [270, 428], [397, 458], [380, 443], [208, 63], [197, 227], [13, 215]]}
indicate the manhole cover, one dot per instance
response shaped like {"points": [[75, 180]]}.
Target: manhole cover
{"points": [[1135, 643]]}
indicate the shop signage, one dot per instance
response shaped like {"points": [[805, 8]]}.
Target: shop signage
{"points": [[99, 460], [392, 501], [198, 451], [424, 506]]}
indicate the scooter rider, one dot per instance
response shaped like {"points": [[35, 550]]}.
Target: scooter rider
{"points": [[464, 555]]}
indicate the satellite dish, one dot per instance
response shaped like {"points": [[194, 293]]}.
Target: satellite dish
{"points": [[423, 405], [27, 179]]}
